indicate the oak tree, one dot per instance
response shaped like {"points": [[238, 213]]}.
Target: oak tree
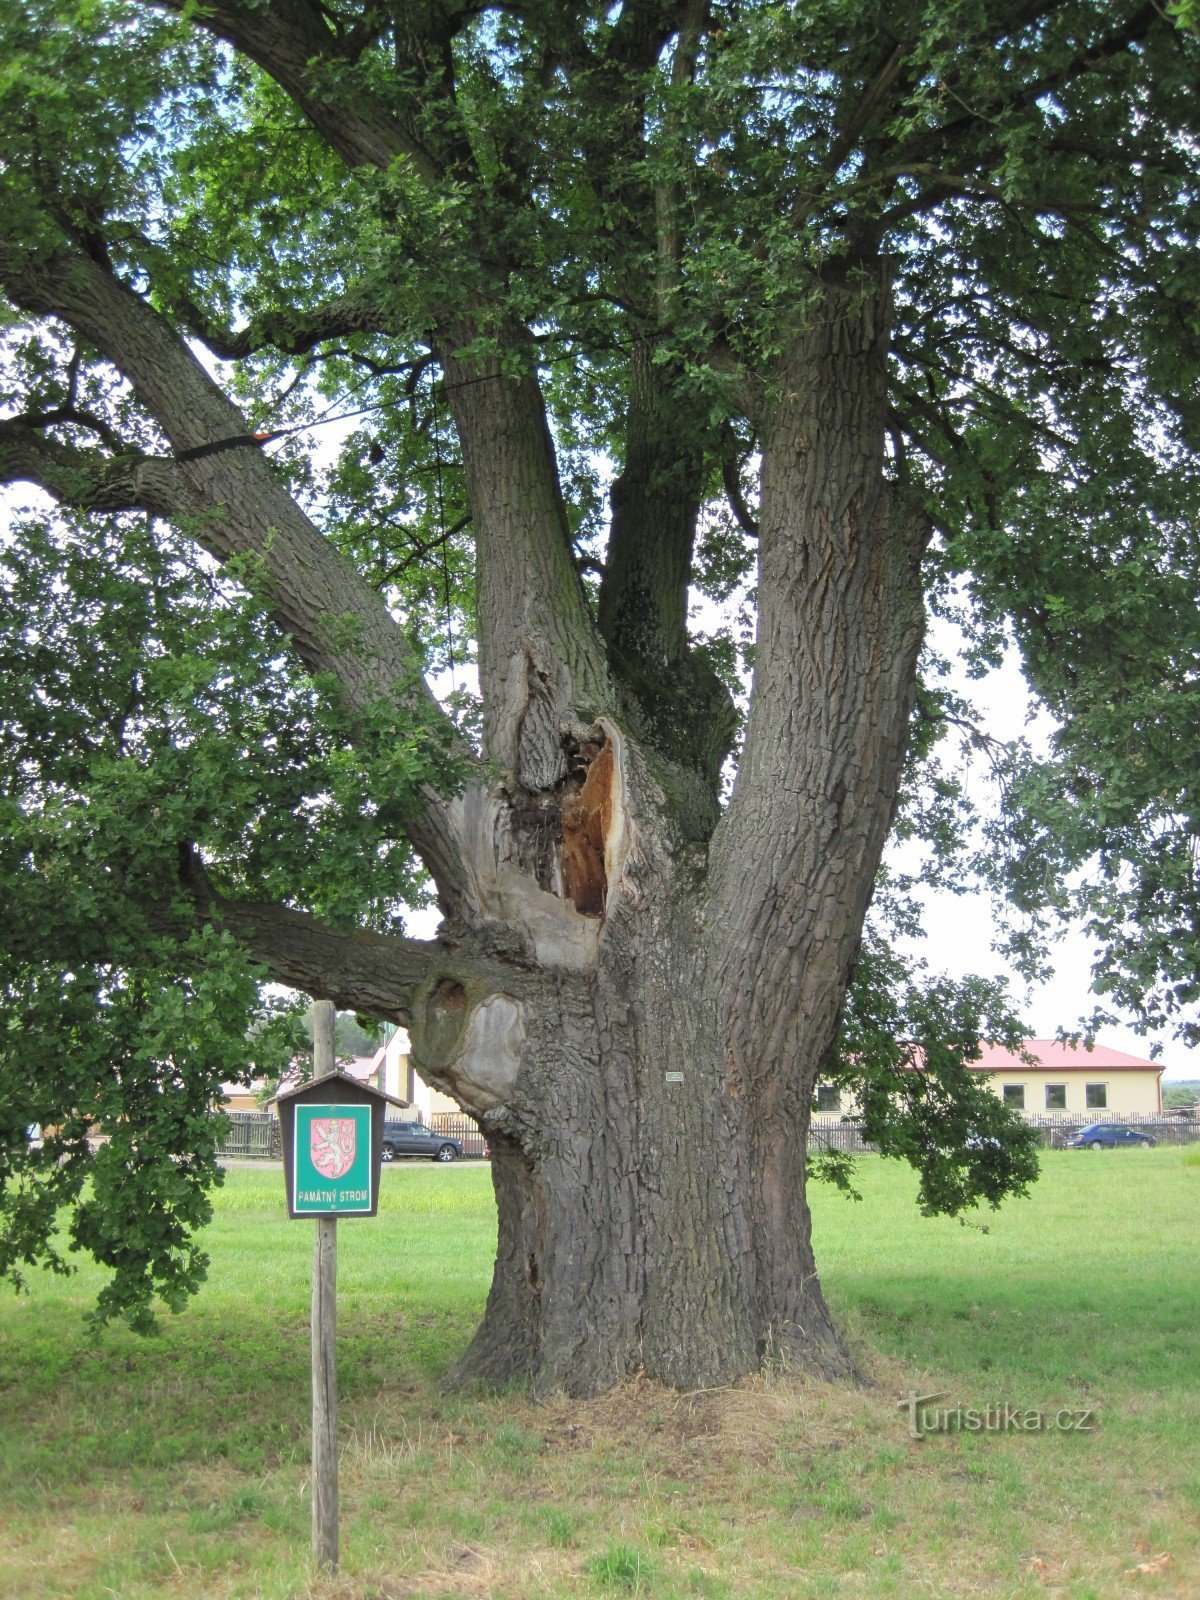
{"points": [[847, 309]]}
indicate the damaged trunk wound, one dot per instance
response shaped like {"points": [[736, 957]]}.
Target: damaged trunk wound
{"points": [[586, 819], [562, 831]]}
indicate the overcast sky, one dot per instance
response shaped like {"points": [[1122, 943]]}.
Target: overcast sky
{"points": [[960, 928]]}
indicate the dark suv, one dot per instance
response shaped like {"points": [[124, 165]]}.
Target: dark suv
{"points": [[415, 1139]]}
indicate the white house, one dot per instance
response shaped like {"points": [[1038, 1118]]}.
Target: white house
{"points": [[391, 1070]]}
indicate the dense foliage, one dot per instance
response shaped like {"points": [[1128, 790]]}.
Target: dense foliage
{"points": [[664, 184]]}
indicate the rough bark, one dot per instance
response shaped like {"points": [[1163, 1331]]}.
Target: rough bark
{"points": [[632, 990], [625, 1242], [636, 1020], [631, 1238], [542, 670], [292, 40], [840, 623], [673, 699], [648, 1110]]}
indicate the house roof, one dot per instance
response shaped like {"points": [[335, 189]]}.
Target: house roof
{"points": [[360, 1071], [1052, 1056], [360, 1068]]}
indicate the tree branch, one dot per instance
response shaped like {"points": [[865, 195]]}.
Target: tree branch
{"points": [[238, 508], [873, 97], [744, 387], [932, 144], [641, 30], [292, 333], [535, 627], [667, 196], [87, 480], [423, 548], [378, 974], [731, 478], [834, 549], [291, 40], [538, 642], [987, 398]]}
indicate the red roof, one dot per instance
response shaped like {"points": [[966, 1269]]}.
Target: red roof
{"points": [[1055, 1057]]}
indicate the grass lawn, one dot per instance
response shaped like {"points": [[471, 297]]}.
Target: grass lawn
{"points": [[178, 1466]]}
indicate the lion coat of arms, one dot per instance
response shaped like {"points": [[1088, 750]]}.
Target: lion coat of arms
{"points": [[332, 1143]]}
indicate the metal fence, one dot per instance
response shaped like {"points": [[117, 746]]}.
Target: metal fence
{"points": [[832, 1133], [251, 1134], [255, 1134]]}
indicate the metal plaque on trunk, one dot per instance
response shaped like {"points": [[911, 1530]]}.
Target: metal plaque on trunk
{"points": [[332, 1170]]}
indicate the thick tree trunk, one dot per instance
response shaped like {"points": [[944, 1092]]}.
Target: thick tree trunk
{"points": [[623, 1162], [541, 665], [648, 1109]]}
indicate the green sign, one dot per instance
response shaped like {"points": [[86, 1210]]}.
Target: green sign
{"points": [[331, 1165]]}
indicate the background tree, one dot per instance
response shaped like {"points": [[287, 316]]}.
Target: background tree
{"points": [[351, 1039], [863, 305]]}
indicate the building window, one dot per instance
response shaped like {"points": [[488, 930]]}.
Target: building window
{"points": [[828, 1098], [1014, 1096], [1056, 1097], [1096, 1096]]}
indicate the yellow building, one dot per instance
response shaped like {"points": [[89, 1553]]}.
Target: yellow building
{"points": [[241, 1097], [1061, 1080], [1070, 1079]]}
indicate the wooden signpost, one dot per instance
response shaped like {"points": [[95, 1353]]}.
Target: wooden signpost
{"points": [[332, 1130]]}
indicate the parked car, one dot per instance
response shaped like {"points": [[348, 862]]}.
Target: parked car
{"points": [[1107, 1136], [415, 1139]]}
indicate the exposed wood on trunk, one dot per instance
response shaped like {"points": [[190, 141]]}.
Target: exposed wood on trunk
{"points": [[549, 865], [540, 922], [587, 816]]}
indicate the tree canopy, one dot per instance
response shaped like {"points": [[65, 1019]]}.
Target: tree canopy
{"points": [[280, 274]]}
